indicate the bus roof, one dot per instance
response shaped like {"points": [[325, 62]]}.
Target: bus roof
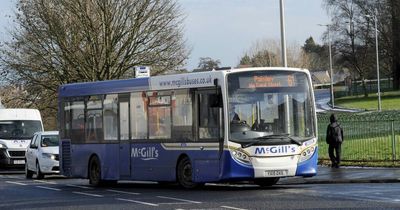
{"points": [[20, 114], [163, 82]]}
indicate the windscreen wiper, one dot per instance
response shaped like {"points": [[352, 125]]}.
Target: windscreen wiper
{"points": [[273, 136]]}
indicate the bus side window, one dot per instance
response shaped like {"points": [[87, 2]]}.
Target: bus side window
{"points": [[139, 103], [77, 122], [94, 119], [159, 110], [110, 117], [182, 115]]}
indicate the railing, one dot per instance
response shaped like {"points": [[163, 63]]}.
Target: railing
{"points": [[368, 137]]}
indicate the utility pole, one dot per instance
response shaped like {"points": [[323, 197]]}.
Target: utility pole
{"points": [[283, 35]]}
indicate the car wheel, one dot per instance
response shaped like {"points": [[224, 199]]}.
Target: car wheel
{"points": [[39, 174], [95, 172], [28, 173], [185, 174]]}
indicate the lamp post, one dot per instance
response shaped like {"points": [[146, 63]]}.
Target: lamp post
{"points": [[283, 35], [375, 16], [330, 63]]}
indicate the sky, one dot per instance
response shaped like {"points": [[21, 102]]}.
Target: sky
{"points": [[226, 29]]}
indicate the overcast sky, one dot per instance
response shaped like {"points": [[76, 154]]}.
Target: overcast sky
{"points": [[225, 29]]}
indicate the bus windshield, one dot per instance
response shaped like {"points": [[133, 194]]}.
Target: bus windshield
{"points": [[270, 107], [19, 129]]}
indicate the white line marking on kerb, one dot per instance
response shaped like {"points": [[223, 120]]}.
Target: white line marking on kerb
{"points": [[18, 183], [89, 194], [140, 202], [82, 187], [178, 199], [230, 207], [48, 188], [46, 182], [130, 193]]}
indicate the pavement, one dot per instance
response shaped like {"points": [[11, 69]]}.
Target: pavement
{"points": [[327, 175]]}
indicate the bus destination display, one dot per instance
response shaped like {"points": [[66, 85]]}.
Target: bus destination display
{"points": [[268, 81]]}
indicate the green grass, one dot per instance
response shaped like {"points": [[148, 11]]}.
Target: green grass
{"points": [[390, 101]]}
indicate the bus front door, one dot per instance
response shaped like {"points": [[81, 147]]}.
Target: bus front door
{"points": [[124, 143]]}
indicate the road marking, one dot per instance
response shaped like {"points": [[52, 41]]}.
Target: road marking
{"points": [[82, 187], [130, 193], [134, 201], [89, 194], [46, 182], [18, 183], [179, 199], [48, 188], [230, 207]]}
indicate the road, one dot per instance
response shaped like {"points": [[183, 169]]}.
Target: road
{"points": [[56, 192]]}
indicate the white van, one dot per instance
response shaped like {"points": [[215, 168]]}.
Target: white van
{"points": [[17, 127]]}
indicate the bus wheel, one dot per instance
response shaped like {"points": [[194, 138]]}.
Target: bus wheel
{"points": [[266, 182], [28, 173], [39, 174], [94, 171], [185, 173]]}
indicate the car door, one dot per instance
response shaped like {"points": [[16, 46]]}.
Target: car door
{"points": [[29, 153]]}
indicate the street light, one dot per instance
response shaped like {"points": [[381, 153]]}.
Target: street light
{"points": [[330, 63], [283, 35], [375, 17]]}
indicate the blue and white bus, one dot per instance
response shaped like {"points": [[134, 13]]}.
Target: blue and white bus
{"points": [[252, 124]]}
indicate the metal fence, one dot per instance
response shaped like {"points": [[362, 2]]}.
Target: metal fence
{"points": [[368, 137]]}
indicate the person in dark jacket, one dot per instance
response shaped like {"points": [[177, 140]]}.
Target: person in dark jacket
{"points": [[334, 137]]}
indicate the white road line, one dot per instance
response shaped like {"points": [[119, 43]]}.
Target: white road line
{"points": [[18, 183], [230, 207], [46, 182], [130, 193], [89, 194], [48, 188], [82, 187], [134, 201], [179, 199]]}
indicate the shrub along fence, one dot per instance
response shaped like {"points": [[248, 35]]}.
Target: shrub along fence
{"points": [[371, 138]]}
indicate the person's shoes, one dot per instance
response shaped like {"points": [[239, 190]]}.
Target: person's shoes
{"points": [[334, 165], [337, 165]]}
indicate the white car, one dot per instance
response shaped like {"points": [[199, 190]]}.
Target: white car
{"points": [[42, 155]]}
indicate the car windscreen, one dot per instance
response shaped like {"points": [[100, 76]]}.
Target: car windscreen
{"points": [[19, 129]]}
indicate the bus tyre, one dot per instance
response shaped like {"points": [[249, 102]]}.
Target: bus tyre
{"points": [[185, 173], [39, 174], [95, 172], [28, 173], [266, 182]]}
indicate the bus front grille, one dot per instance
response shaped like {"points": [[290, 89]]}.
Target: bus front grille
{"points": [[16, 153], [66, 157]]}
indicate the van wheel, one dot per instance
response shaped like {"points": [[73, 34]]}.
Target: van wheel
{"points": [[185, 174], [39, 174], [266, 182], [95, 172], [28, 173]]}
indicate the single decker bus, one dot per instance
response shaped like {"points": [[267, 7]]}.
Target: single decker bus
{"points": [[252, 124]]}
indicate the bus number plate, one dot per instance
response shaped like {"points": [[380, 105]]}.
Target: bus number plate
{"points": [[19, 161], [276, 173]]}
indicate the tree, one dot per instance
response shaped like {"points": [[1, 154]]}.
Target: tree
{"points": [[64, 41], [318, 55], [207, 63], [395, 11], [266, 53]]}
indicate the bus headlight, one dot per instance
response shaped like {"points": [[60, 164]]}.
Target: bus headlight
{"points": [[241, 156], [3, 146], [307, 154]]}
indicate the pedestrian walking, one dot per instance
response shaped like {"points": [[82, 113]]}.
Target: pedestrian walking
{"points": [[334, 138]]}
